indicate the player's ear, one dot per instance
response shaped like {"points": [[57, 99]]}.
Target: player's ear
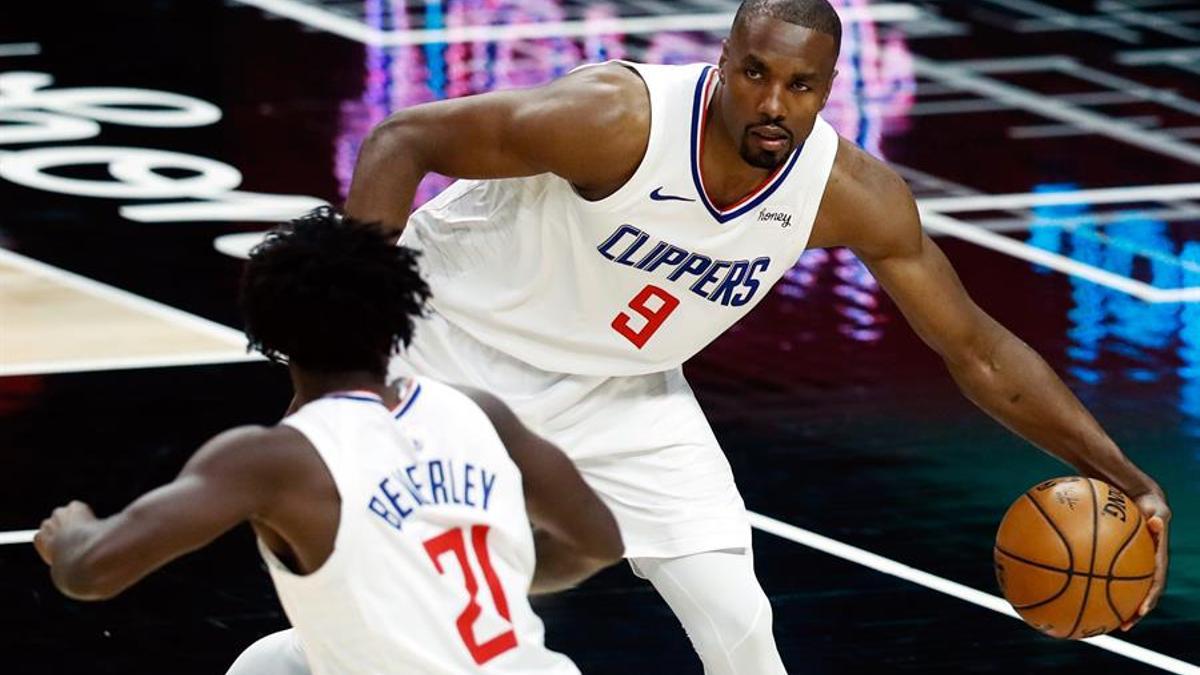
{"points": [[724, 58], [829, 88]]}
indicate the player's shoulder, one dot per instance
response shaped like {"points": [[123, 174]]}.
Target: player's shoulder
{"points": [[857, 173], [612, 91], [615, 79], [252, 449], [869, 204], [254, 436]]}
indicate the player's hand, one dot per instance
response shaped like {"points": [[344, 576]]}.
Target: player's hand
{"points": [[64, 516], [1158, 517]]}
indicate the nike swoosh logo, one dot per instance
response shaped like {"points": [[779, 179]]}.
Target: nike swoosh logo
{"points": [[658, 196]]}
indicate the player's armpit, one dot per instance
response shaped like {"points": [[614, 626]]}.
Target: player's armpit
{"points": [[590, 127], [224, 484]]}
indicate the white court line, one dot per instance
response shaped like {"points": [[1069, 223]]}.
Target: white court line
{"points": [[316, 17], [1118, 86], [892, 568], [125, 298], [1072, 223], [996, 604], [980, 105], [125, 363], [1056, 19], [1150, 20], [964, 78], [937, 222], [1155, 56], [1139, 193], [17, 537], [1018, 64], [20, 49], [1184, 132], [1034, 131]]}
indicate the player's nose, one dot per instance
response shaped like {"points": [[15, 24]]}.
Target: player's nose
{"points": [[771, 104]]}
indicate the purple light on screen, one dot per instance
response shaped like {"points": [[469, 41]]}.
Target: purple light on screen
{"points": [[876, 82], [398, 77], [605, 46]]}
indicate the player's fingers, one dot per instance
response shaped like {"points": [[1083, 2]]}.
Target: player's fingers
{"points": [[1156, 527], [40, 543], [59, 514], [1160, 574]]}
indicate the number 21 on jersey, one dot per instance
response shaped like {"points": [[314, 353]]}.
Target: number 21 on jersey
{"points": [[652, 304], [454, 542]]}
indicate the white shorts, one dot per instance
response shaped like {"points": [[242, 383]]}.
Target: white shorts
{"points": [[641, 441]]}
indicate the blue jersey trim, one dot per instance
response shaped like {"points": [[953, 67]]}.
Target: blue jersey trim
{"points": [[716, 213], [408, 404]]}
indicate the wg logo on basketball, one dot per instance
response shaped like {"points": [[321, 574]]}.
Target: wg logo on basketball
{"points": [[1067, 497]]}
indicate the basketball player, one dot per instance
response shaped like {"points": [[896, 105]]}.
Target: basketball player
{"points": [[619, 219], [616, 221], [393, 520]]}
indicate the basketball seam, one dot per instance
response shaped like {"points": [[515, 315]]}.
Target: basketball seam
{"points": [[1052, 568], [1087, 589], [1054, 526], [1113, 563], [1070, 557]]}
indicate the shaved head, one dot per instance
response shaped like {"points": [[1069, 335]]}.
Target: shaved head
{"points": [[816, 15]]}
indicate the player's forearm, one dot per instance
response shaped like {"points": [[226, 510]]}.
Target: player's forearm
{"points": [[561, 566], [84, 567], [389, 168], [1013, 384]]}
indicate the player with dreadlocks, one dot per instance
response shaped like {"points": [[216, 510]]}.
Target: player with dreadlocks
{"points": [[374, 505]]}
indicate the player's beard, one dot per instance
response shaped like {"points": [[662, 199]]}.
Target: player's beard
{"points": [[762, 159]]}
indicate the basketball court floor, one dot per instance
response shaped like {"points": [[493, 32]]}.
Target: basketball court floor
{"points": [[1054, 147]]}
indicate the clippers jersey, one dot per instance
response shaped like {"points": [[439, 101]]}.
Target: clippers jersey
{"points": [[636, 282], [434, 555]]}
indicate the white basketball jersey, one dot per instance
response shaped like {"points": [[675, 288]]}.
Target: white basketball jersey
{"points": [[633, 283], [433, 557]]}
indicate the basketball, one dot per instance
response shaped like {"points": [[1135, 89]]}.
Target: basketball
{"points": [[1074, 557]]}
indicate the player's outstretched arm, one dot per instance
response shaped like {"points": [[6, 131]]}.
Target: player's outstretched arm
{"points": [[575, 534], [872, 210], [226, 482], [590, 127]]}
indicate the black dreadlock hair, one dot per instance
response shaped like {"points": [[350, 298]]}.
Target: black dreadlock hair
{"points": [[331, 294]]}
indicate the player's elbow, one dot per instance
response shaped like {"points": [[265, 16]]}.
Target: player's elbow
{"points": [[89, 576], [991, 368], [397, 137], [597, 537], [608, 548], [973, 370], [566, 569]]}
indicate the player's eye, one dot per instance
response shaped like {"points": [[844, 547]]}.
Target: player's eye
{"points": [[753, 74], [799, 86]]}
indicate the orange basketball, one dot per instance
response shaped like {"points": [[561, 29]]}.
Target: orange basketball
{"points": [[1074, 557]]}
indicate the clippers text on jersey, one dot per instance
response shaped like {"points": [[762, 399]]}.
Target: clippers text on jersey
{"points": [[729, 282]]}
